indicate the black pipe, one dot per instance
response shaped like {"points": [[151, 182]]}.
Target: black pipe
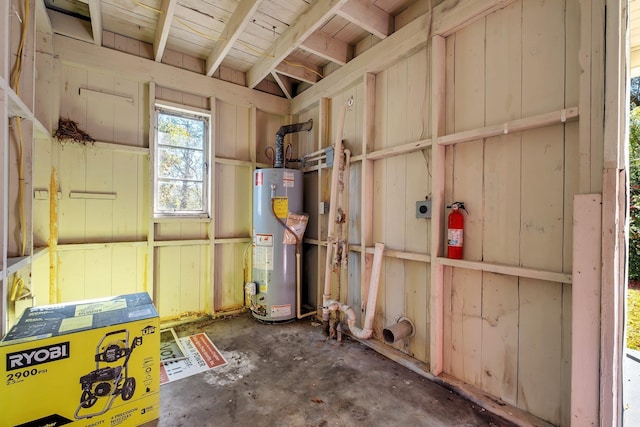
{"points": [[284, 130]]}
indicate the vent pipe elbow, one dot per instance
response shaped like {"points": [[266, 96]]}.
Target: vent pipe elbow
{"points": [[280, 134]]}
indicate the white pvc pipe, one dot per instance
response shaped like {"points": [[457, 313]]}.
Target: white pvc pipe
{"points": [[333, 305]]}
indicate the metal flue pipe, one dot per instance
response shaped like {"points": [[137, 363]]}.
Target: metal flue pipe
{"points": [[280, 134], [398, 331]]}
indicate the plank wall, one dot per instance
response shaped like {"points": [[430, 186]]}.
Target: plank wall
{"points": [[107, 240], [510, 335], [506, 336]]}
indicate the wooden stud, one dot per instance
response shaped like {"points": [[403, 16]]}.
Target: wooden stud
{"points": [[585, 348], [436, 300], [151, 230]]}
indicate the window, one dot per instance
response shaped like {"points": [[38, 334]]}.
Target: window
{"points": [[181, 162]]}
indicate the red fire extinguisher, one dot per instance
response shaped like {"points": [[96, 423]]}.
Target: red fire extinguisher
{"points": [[455, 231]]}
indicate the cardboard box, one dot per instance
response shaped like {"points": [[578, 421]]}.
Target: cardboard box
{"points": [[88, 363]]}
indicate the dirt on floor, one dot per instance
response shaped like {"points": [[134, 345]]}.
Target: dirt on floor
{"points": [[292, 375]]}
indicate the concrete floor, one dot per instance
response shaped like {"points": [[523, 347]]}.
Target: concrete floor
{"points": [[292, 375]]}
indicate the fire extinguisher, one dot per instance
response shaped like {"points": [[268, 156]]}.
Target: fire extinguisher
{"points": [[455, 230]]}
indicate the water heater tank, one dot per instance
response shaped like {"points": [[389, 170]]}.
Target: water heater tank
{"points": [[276, 192]]}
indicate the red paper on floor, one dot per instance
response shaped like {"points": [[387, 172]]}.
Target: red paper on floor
{"points": [[202, 355]]}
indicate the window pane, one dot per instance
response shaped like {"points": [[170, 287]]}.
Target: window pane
{"points": [[175, 196], [180, 163], [180, 131]]}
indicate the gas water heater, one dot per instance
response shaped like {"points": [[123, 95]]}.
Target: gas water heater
{"points": [[277, 192]]}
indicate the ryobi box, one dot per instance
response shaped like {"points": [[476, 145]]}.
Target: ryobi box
{"points": [[88, 363]]}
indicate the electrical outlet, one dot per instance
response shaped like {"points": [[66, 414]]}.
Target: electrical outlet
{"points": [[423, 209]]}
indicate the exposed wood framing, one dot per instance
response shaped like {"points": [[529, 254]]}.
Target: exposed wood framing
{"points": [[438, 80], [162, 30], [95, 11], [511, 270], [285, 83], [211, 231], [447, 17], [151, 227], [242, 15], [614, 203], [141, 70], [367, 16], [304, 26], [512, 126], [303, 72], [585, 342], [329, 48]]}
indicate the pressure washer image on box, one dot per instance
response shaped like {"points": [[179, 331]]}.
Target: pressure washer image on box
{"points": [[111, 377]]}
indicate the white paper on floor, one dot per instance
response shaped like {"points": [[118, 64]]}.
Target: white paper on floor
{"points": [[202, 355]]}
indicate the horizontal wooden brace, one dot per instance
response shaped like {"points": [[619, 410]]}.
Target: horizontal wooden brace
{"points": [[510, 270], [390, 253], [94, 246], [191, 242], [519, 125], [124, 148], [92, 195], [113, 96], [232, 240], [233, 162]]}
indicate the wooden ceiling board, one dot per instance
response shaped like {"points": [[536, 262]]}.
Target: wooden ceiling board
{"points": [[351, 34], [197, 25], [123, 28], [73, 6], [216, 8], [392, 7], [333, 26], [284, 12], [304, 56], [120, 21]]}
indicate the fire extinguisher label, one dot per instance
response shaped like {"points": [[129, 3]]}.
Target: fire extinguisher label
{"points": [[455, 237]]}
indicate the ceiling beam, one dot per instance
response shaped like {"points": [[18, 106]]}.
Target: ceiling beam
{"points": [[238, 21], [95, 12], [306, 24], [162, 31], [368, 17], [327, 47], [304, 72], [285, 84]]}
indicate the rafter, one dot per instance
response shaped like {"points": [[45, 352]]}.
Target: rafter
{"points": [[327, 47], [368, 17], [162, 31], [238, 21], [306, 24], [285, 84], [304, 72], [95, 13]]}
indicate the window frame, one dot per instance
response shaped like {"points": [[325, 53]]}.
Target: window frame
{"points": [[190, 113]]}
